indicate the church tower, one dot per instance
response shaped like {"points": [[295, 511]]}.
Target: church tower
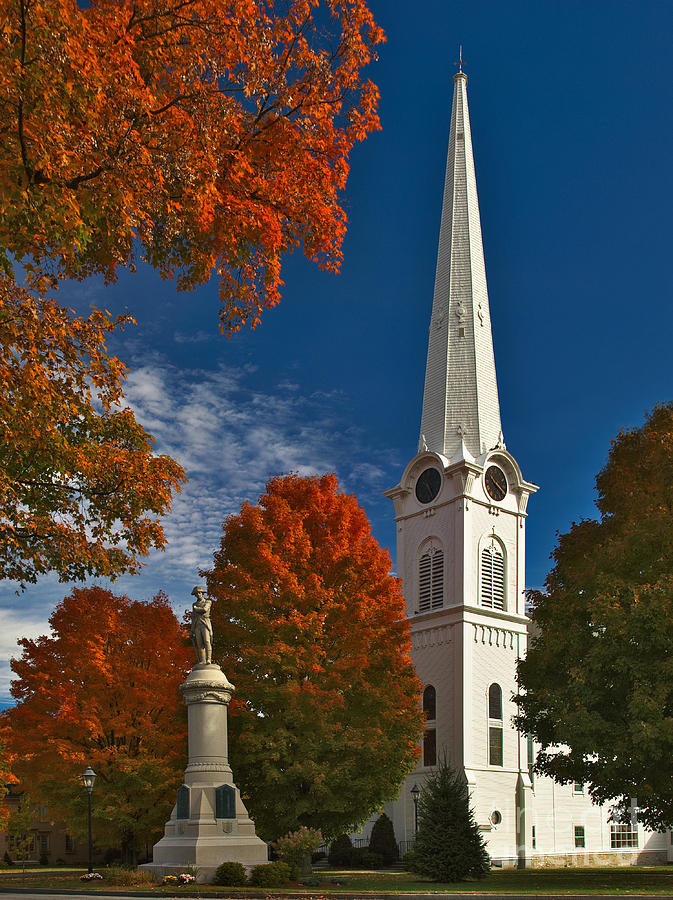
{"points": [[460, 509]]}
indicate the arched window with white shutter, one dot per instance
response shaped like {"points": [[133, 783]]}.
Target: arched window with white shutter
{"points": [[430, 578], [492, 574]]}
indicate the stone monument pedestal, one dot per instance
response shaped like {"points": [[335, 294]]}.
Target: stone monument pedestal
{"points": [[209, 824]]}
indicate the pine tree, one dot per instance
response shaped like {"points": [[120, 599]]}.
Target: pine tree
{"points": [[448, 845], [383, 841]]}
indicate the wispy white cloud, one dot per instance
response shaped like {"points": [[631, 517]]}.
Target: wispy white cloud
{"points": [[230, 437], [198, 337], [17, 622]]}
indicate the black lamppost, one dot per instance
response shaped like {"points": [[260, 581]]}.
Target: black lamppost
{"points": [[88, 778], [415, 793]]}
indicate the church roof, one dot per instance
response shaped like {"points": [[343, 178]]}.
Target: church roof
{"points": [[461, 411]]}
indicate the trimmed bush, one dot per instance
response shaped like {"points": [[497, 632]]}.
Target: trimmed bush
{"points": [[271, 875], [340, 851], [383, 840], [364, 858], [296, 848], [230, 874]]}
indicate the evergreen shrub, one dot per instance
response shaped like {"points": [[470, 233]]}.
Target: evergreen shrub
{"points": [[230, 874], [340, 851], [449, 846], [383, 840], [271, 875], [364, 858]]}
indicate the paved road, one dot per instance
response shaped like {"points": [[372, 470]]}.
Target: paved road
{"points": [[45, 895], [9, 894]]}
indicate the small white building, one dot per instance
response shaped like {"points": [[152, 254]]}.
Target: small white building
{"points": [[460, 509]]}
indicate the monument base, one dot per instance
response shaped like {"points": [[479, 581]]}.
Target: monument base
{"points": [[204, 845], [209, 824]]}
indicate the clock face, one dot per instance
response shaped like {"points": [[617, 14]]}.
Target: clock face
{"points": [[428, 485], [495, 482]]}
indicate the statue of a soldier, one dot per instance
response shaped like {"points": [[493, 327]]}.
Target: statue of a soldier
{"points": [[201, 631]]}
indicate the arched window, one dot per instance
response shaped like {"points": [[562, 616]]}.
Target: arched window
{"points": [[492, 582], [431, 580], [430, 702], [495, 725], [495, 702]]}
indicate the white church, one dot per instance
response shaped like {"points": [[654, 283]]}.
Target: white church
{"points": [[460, 510]]}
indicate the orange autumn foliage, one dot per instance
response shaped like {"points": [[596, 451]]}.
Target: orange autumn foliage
{"points": [[309, 625], [102, 690], [207, 135], [7, 778], [80, 488]]}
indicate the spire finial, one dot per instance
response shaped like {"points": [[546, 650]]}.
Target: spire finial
{"points": [[460, 58]]}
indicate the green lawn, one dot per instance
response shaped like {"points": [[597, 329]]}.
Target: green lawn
{"points": [[627, 880], [622, 880]]}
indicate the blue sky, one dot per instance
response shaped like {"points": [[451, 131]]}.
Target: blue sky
{"points": [[570, 107]]}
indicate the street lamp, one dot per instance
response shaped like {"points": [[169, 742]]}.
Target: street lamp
{"points": [[415, 793], [88, 778]]}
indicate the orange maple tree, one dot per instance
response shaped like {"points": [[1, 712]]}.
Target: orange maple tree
{"points": [[7, 778], [309, 625], [80, 488], [212, 135], [102, 690]]}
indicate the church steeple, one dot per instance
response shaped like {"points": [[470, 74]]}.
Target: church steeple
{"points": [[461, 412]]}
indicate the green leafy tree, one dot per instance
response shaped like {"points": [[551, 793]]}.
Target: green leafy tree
{"points": [[597, 683], [449, 846], [383, 841], [20, 829], [310, 627]]}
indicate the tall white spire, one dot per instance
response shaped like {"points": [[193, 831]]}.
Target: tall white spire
{"points": [[461, 411]]}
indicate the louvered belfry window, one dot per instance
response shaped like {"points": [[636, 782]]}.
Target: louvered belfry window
{"points": [[492, 576], [431, 580]]}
